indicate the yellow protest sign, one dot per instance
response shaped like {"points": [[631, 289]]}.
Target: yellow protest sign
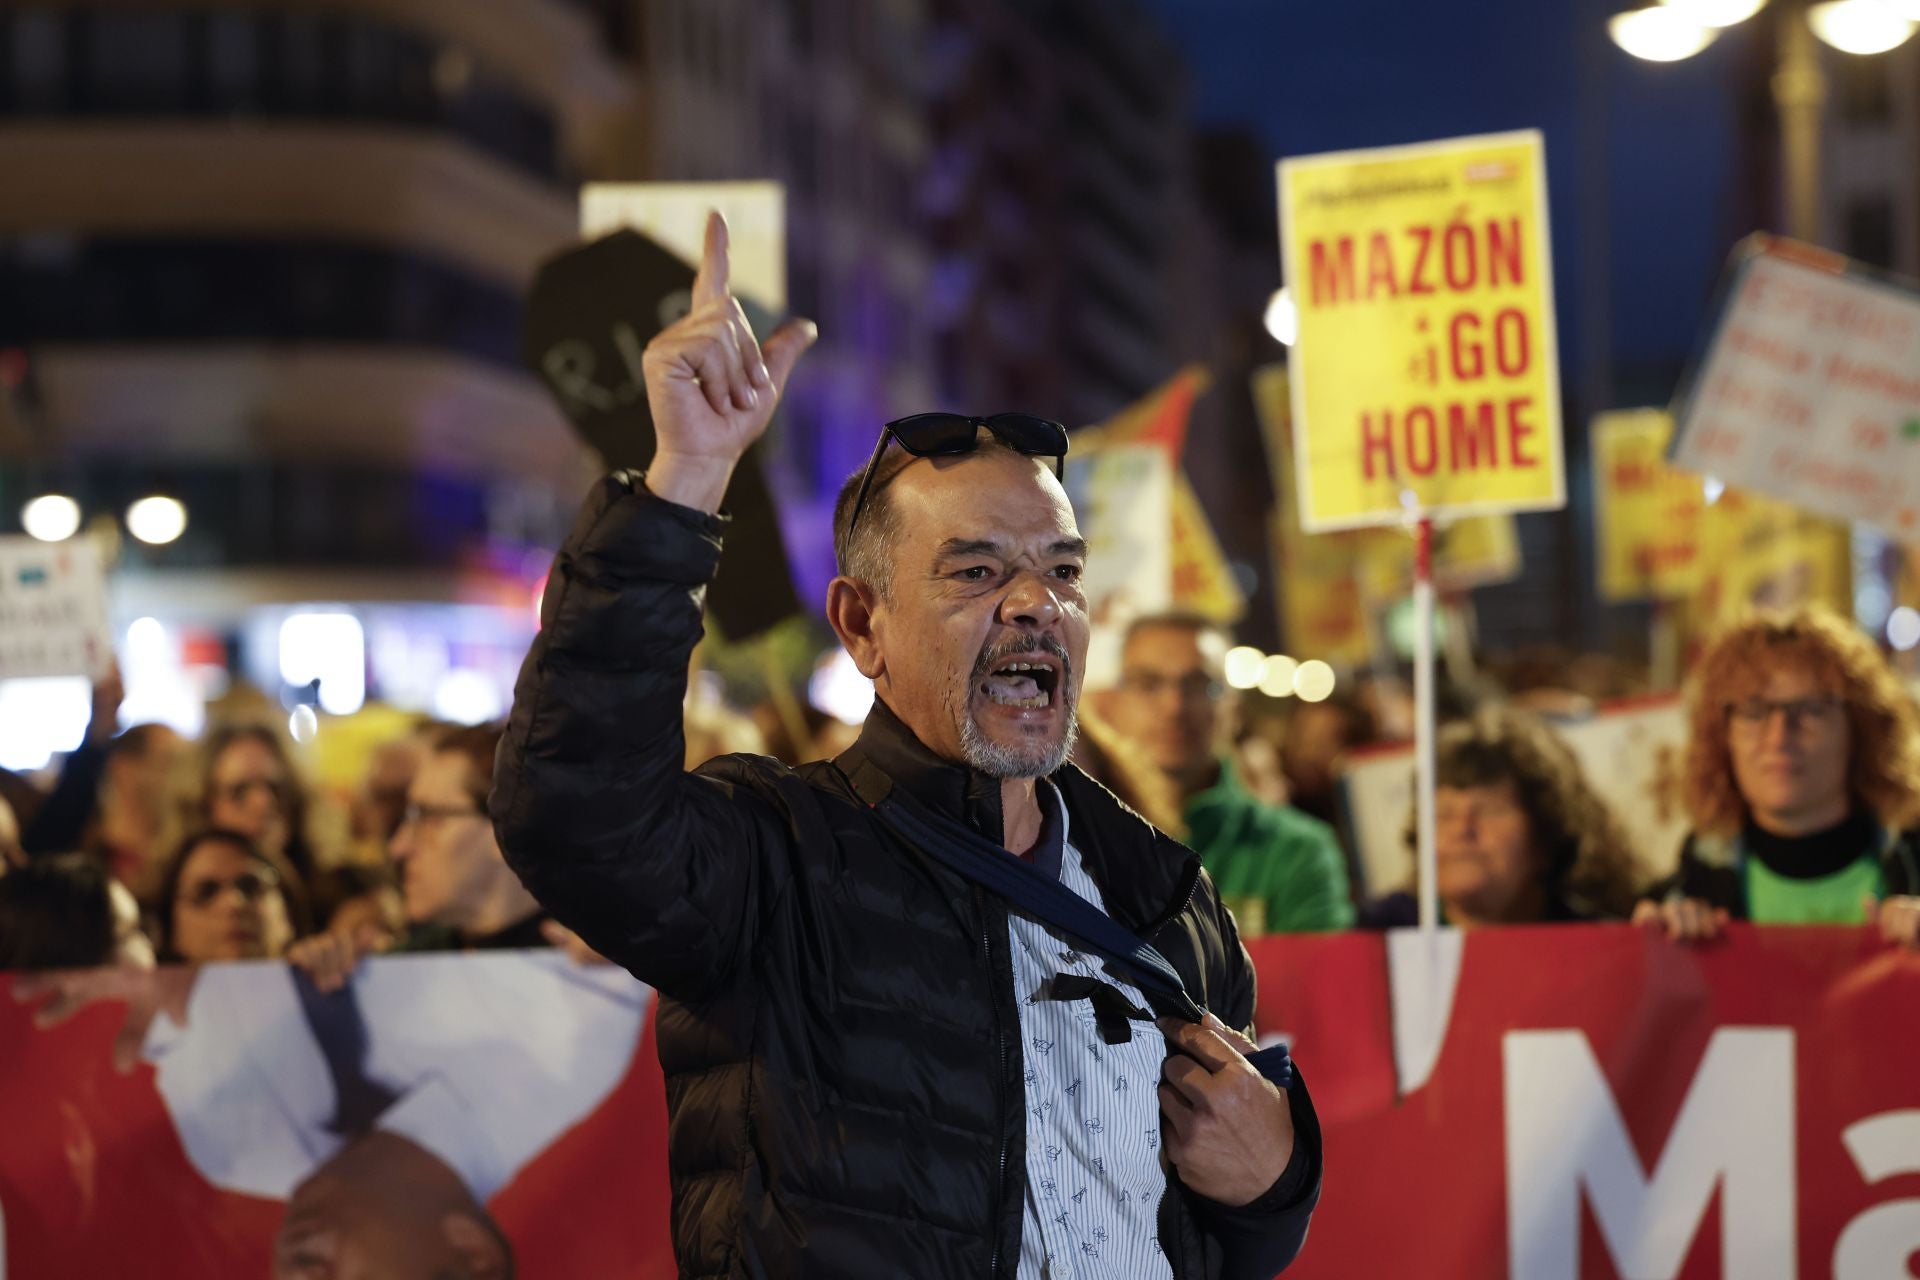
{"points": [[1647, 512], [1761, 553], [1316, 575], [1425, 372]]}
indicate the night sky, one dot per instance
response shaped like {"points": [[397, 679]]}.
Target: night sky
{"points": [[1640, 156]]}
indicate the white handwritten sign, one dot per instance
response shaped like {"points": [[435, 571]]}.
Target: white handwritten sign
{"points": [[1810, 390], [53, 609]]}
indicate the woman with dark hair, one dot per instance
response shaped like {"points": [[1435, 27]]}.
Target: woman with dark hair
{"points": [[245, 781], [63, 911], [223, 897], [1520, 836]]}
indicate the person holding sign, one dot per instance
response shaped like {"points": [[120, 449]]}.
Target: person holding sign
{"points": [[1802, 775], [905, 993]]}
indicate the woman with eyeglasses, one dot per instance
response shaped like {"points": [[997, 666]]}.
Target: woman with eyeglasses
{"points": [[1802, 778], [244, 780], [225, 898]]}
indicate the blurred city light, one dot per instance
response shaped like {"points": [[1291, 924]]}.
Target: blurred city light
{"points": [[1903, 628], [157, 519], [1659, 33], [1277, 675], [1283, 318], [41, 716], [1711, 489], [837, 688], [330, 648], [1860, 26], [1717, 13], [1243, 666], [51, 517], [158, 685], [466, 696], [302, 724], [1314, 681]]}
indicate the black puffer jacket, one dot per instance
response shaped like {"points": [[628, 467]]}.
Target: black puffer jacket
{"points": [[837, 1022]]}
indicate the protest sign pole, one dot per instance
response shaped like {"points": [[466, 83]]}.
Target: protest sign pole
{"points": [[1423, 718]]}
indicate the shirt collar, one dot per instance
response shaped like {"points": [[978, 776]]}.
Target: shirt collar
{"points": [[1047, 850]]}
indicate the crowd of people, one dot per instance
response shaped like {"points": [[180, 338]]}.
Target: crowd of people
{"points": [[1801, 779]]}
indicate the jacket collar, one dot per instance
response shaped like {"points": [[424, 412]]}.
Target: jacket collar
{"points": [[1144, 875]]}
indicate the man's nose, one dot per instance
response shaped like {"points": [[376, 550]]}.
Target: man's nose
{"points": [[1030, 602]]}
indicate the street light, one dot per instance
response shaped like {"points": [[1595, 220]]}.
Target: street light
{"points": [[1860, 26], [1670, 30], [1660, 33]]}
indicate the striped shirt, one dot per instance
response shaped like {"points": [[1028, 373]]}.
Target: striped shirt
{"points": [[1094, 1177]]}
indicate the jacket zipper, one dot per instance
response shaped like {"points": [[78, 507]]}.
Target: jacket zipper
{"points": [[1000, 1080]]}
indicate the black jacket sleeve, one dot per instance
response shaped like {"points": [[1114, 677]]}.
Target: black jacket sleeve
{"points": [[659, 870]]}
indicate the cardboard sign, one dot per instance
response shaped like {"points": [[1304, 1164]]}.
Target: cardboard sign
{"points": [[1425, 373], [590, 314], [1810, 387], [53, 609], [1647, 514]]}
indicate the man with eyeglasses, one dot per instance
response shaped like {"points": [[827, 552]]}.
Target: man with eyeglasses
{"points": [[1803, 780], [881, 1060], [458, 892], [1277, 869]]}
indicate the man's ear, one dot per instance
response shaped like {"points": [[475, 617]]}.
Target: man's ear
{"points": [[482, 1249], [850, 609]]}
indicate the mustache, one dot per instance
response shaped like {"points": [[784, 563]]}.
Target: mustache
{"points": [[994, 655]]}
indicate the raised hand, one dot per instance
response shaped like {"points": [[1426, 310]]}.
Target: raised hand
{"points": [[711, 386]]}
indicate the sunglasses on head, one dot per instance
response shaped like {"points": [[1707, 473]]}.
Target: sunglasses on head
{"points": [[948, 435]]}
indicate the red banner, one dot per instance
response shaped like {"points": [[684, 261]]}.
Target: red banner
{"points": [[1542, 1103], [1596, 1102]]}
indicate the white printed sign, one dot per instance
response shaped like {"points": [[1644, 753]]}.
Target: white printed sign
{"points": [[674, 214], [1810, 390], [53, 609]]}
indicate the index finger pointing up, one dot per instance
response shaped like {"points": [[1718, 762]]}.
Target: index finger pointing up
{"points": [[714, 277]]}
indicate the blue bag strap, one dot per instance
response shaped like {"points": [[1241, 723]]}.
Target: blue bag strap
{"points": [[971, 855]]}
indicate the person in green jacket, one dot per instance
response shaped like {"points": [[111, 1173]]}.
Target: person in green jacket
{"points": [[1278, 870]]}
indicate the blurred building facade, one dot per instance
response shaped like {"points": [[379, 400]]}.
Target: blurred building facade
{"points": [[271, 263]]}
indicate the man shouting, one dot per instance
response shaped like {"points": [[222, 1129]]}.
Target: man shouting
{"points": [[876, 1065]]}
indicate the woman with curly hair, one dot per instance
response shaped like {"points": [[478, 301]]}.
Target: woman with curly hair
{"points": [[1520, 837], [1802, 775]]}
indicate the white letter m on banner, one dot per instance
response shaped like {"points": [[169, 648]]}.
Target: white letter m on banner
{"points": [[1735, 1131]]}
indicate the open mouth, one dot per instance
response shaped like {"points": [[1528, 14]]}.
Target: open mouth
{"points": [[1027, 682]]}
